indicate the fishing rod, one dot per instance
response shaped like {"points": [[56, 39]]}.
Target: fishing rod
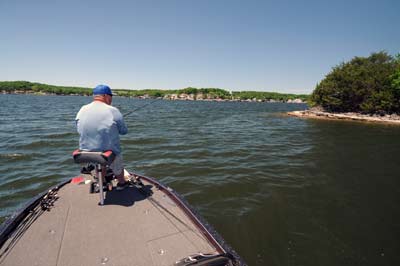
{"points": [[141, 107]]}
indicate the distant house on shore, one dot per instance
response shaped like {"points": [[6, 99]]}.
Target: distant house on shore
{"points": [[145, 96], [295, 101], [199, 96], [185, 96], [171, 96]]}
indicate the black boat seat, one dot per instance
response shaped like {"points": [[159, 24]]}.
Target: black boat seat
{"points": [[102, 158]]}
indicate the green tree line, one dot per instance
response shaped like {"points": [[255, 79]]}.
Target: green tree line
{"points": [[364, 84], [209, 93], [246, 95], [33, 87]]}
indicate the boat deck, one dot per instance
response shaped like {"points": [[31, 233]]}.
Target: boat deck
{"points": [[130, 229]]}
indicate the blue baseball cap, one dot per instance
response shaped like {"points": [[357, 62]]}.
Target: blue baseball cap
{"points": [[102, 89]]}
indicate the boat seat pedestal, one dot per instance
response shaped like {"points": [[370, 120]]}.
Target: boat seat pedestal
{"points": [[100, 159]]}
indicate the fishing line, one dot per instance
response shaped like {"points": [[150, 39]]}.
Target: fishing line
{"points": [[141, 107]]}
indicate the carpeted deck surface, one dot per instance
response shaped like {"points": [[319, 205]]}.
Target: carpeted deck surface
{"points": [[129, 229]]}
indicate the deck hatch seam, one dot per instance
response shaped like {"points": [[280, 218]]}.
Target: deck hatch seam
{"points": [[168, 235], [62, 236]]}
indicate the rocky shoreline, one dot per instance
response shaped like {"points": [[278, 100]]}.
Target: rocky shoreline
{"points": [[173, 97], [318, 114]]}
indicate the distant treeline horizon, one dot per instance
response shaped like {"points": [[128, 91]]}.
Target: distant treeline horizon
{"points": [[208, 93]]}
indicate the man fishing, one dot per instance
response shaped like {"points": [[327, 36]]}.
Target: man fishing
{"points": [[99, 125]]}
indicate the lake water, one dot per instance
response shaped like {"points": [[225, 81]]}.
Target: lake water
{"points": [[281, 190]]}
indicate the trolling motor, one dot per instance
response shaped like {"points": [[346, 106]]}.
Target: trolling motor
{"points": [[101, 161]]}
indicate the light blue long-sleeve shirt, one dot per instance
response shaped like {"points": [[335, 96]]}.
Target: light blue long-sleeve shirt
{"points": [[99, 126]]}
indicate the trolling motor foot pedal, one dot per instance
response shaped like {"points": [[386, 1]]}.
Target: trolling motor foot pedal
{"points": [[137, 183]]}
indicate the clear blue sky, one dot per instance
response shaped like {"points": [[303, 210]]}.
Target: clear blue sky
{"points": [[283, 46]]}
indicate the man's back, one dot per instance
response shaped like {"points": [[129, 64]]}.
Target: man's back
{"points": [[99, 126]]}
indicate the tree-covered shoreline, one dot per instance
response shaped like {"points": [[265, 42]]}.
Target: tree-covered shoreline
{"points": [[366, 85], [189, 93]]}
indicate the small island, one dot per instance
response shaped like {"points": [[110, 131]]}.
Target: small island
{"points": [[363, 89]]}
